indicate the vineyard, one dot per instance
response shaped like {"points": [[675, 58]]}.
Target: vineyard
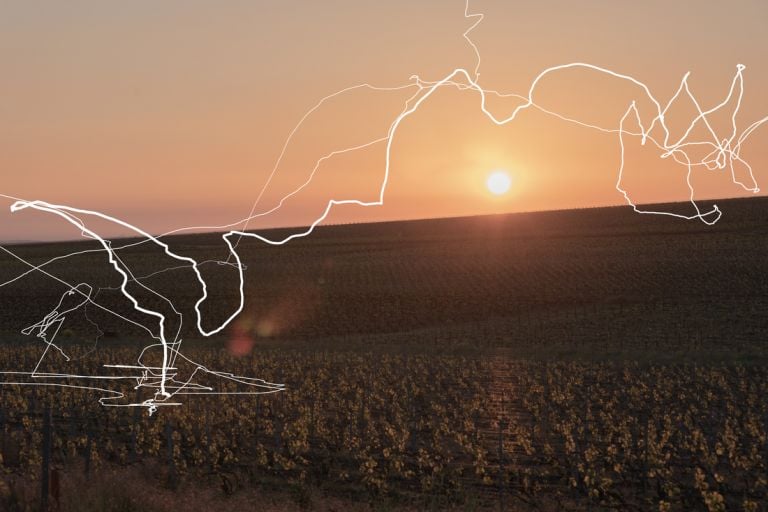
{"points": [[435, 430], [588, 360]]}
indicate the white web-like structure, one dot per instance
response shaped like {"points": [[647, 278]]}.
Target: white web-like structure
{"points": [[722, 151]]}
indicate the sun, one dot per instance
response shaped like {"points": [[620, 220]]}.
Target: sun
{"points": [[498, 182]]}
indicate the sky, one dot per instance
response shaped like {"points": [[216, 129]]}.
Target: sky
{"points": [[173, 114]]}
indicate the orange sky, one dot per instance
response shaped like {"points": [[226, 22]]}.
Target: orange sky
{"points": [[172, 114]]}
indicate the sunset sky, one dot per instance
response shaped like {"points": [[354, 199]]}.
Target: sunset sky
{"points": [[172, 114]]}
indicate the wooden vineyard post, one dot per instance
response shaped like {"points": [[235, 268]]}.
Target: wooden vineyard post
{"points": [[88, 446], [46, 466], [645, 458], [171, 464], [277, 426], [502, 426], [765, 444], [278, 420], [413, 425], [311, 421], [211, 461], [587, 440], [256, 423], [72, 431], [544, 429], [134, 429], [2, 435]]}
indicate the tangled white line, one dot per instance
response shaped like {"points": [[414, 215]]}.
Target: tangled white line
{"points": [[724, 151]]}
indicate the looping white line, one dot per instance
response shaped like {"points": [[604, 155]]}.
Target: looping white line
{"points": [[725, 151]]}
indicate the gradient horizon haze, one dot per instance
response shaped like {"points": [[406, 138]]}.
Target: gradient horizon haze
{"points": [[173, 114]]}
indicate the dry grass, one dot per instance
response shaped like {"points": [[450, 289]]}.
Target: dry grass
{"points": [[135, 489]]}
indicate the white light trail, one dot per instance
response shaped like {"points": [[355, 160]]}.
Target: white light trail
{"points": [[725, 151]]}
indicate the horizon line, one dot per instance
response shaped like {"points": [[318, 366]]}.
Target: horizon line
{"points": [[387, 221]]}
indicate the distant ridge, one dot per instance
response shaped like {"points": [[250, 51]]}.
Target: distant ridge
{"points": [[615, 214], [25, 242]]}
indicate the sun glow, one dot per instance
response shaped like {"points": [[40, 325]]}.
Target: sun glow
{"points": [[498, 182]]}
